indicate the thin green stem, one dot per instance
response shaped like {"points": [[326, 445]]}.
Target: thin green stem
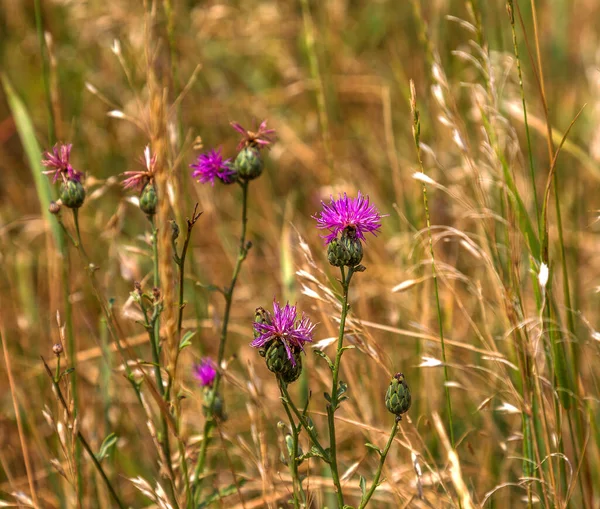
{"points": [[154, 332], [304, 423], [83, 441], [510, 8], [293, 455], [335, 393], [416, 135], [210, 418], [309, 37], [39, 24], [72, 355], [384, 454]]}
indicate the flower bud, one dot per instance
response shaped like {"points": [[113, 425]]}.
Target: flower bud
{"points": [[261, 315], [279, 363], [218, 407], [248, 163], [345, 251], [54, 207], [72, 194], [148, 199], [174, 230], [57, 349], [397, 397]]}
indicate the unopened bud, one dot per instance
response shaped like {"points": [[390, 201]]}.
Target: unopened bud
{"points": [[174, 230], [72, 194], [57, 349], [397, 397], [248, 163], [148, 200], [54, 207]]}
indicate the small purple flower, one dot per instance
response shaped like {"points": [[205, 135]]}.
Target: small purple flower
{"points": [[263, 137], [205, 372], [354, 214], [211, 165], [58, 161], [286, 327], [138, 179]]}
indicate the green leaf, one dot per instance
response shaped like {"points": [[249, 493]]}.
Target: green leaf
{"points": [[327, 397], [323, 355], [222, 493], [186, 339], [363, 486], [67, 372], [342, 388], [34, 158], [369, 445], [109, 442], [211, 288]]}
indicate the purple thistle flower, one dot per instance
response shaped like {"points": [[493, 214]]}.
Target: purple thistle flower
{"points": [[58, 161], [263, 137], [211, 165], [355, 214], [138, 179], [286, 327], [205, 372]]}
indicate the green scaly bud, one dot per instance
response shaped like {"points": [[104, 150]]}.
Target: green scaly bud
{"points": [[279, 363], [72, 194], [148, 199], [397, 397], [345, 251], [219, 406], [249, 163]]}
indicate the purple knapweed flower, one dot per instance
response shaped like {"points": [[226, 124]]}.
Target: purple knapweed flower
{"points": [[263, 137], [58, 161], [211, 165], [285, 327], [205, 372], [354, 214], [138, 179]]}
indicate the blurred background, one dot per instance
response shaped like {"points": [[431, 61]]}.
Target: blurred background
{"points": [[333, 79]]}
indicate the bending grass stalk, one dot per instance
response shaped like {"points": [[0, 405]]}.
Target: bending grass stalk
{"points": [[83, 441], [416, 135], [384, 454], [228, 294], [332, 407], [293, 454]]}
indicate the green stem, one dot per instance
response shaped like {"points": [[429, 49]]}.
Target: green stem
{"points": [[293, 456], [384, 453], [154, 332], [72, 356], [304, 423], [210, 418], [332, 407], [416, 135], [84, 442], [45, 70]]}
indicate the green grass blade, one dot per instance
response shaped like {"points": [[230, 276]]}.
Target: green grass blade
{"points": [[34, 154]]}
